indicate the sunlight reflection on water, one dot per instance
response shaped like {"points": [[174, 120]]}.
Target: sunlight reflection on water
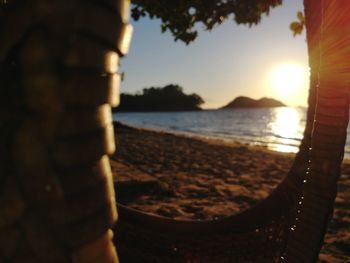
{"points": [[287, 124], [279, 129]]}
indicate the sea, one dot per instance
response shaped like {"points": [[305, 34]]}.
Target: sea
{"points": [[278, 129]]}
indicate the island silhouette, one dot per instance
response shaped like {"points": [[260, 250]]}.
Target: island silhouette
{"points": [[173, 98], [246, 102]]}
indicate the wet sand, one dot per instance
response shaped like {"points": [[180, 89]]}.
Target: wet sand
{"points": [[192, 178]]}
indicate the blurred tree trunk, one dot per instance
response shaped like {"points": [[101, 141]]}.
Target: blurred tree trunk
{"points": [[59, 62], [317, 165]]}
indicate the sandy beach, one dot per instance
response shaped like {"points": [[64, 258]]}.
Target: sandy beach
{"points": [[193, 178]]}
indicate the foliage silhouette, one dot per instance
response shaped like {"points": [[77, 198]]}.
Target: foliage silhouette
{"points": [[181, 17], [168, 98]]}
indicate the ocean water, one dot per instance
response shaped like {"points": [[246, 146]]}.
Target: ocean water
{"points": [[279, 129]]}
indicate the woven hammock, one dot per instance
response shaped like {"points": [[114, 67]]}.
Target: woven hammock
{"points": [[58, 81], [290, 224]]}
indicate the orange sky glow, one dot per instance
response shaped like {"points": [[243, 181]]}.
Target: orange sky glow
{"points": [[230, 61]]}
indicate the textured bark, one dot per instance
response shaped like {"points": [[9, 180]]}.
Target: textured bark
{"points": [[325, 132], [59, 79]]}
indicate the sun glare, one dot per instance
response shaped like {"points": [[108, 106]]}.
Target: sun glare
{"points": [[288, 81]]}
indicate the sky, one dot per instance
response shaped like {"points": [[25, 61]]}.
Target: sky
{"points": [[229, 61]]}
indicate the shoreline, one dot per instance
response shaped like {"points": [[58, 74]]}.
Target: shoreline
{"points": [[192, 178], [215, 139], [167, 156], [272, 146]]}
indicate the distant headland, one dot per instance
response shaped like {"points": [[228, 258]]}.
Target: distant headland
{"points": [[246, 102]]}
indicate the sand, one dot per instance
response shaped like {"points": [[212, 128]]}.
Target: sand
{"points": [[192, 178]]}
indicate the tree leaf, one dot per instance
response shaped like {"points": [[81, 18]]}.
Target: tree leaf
{"points": [[301, 17], [296, 27]]}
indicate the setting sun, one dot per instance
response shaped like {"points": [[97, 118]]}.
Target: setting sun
{"points": [[289, 81]]}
